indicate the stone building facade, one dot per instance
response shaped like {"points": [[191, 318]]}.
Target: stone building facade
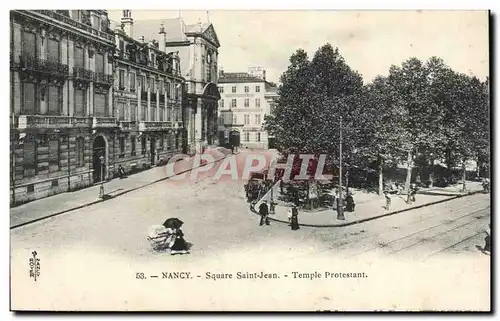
{"points": [[148, 92], [246, 97], [61, 78], [86, 99], [198, 47]]}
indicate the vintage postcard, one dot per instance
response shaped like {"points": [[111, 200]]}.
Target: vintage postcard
{"points": [[249, 160]]}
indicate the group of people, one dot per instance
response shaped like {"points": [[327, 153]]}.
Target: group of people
{"points": [[348, 203], [293, 216], [411, 196], [256, 189]]}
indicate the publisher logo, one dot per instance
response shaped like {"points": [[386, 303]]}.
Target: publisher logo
{"points": [[34, 266]]}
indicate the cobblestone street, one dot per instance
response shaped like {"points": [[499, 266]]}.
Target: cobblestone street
{"points": [[108, 241]]}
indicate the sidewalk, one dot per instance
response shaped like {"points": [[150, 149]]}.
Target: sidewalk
{"points": [[370, 206], [70, 201]]}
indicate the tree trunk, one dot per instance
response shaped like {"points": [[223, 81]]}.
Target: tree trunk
{"points": [[478, 167], [380, 177], [408, 176], [347, 180], [464, 173]]}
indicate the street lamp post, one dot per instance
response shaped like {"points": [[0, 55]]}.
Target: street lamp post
{"points": [[101, 189], [340, 201]]}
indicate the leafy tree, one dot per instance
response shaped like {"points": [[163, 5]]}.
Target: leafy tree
{"points": [[380, 119]]}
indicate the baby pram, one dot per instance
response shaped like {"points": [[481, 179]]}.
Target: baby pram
{"points": [[160, 237]]}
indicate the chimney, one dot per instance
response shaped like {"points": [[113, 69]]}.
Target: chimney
{"points": [[128, 23], [264, 74], [163, 39]]}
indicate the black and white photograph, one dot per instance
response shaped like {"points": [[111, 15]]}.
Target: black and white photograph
{"points": [[249, 160]]}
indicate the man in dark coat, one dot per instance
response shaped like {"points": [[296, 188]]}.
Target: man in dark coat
{"points": [[350, 203], [264, 213]]}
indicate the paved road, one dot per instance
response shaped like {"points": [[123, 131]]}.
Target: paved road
{"points": [[105, 245]]}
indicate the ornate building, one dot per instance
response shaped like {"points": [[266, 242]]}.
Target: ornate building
{"points": [[246, 97], [197, 46], [61, 99], [148, 99]]}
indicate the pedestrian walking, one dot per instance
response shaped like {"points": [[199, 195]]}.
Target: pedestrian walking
{"points": [[264, 213], [350, 205], [413, 192], [487, 240], [295, 219], [121, 171], [387, 200]]}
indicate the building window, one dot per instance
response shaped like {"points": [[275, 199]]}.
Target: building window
{"points": [[169, 113], [54, 154], [29, 44], [234, 89], [257, 102], [177, 91], [247, 102], [121, 111], [143, 83], [247, 136], [162, 141], [132, 82], [143, 145], [233, 102], [133, 111], [100, 109], [132, 145], [79, 58], [177, 113], [80, 102], [257, 119], [99, 62], [160, 87], [53, 50], [258, 136], [169, 93], [246, 119], [121, 77], [235, 119], [29, 156], [162, 112], [153, 112], [80, 151], [257, 89], [221, 89], [221, 120], [247, 89], [29, 102], [122, 147], [221, 103], [152, 84], [144, 111], [53, 100]]}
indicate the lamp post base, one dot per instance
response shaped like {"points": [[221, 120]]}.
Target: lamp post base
{"points": [[340, 213], [101, 191]]}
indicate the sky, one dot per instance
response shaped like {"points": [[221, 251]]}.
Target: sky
{"points": [[369, 41]]}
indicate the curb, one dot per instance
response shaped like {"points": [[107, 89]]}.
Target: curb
{"points": [[373, 217], [112, 197]]}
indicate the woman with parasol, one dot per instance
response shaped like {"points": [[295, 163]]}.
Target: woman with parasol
{"points": [[178, 244]]}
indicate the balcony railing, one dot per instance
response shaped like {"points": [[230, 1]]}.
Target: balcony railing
{"points": [[104, 122], [45, 121], [77, 24], [127, 125], [31, 63], [83, 74], [154, 125], [102, 78]]}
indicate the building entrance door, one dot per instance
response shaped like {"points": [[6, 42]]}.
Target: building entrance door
{"points": [[152, 148], [99, 158]]}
